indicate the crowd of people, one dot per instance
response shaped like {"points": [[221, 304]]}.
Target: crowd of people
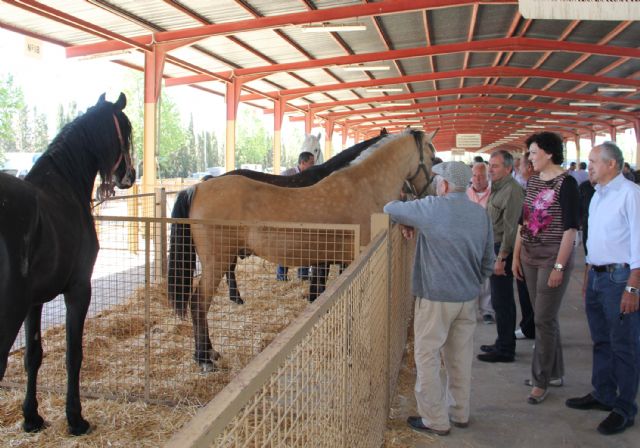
{"points": [[514, 221]]}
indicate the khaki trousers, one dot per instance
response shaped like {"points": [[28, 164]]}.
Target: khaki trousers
{"points": [[445, 327]]}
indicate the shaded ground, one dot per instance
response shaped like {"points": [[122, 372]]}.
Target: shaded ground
{"points": [[500, 415]]}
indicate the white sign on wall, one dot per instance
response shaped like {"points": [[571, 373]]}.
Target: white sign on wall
{"points": [[457, 152], [468, 140], [33, 47]]}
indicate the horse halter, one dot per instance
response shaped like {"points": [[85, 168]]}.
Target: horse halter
{"points": [[123, 153], [408, 186]]}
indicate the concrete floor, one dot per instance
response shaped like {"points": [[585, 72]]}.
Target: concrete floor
{"points": [[500, 415]]}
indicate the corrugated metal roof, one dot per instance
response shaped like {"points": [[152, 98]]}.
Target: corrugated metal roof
{"points": [[288, 58]]}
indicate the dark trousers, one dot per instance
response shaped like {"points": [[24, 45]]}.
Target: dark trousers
{"points": [[616, 342], [527, 323], [504, 304]]}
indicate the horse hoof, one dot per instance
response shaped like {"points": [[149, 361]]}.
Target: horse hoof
{"points": [[80, 429], [207, 367], [35, 424], [237, 300]]}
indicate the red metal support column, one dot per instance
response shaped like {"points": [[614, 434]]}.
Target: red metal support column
{"points": [[278, 115], [636, 128], [577, 140], [593, 139], [232, 99], [345, 134], [153, 69], [308, 121], [329, 126], [612, 134]]}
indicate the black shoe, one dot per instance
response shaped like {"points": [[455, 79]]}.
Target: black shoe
{"points": [[488, 348], [415, 422], [495, 357], [614, 424], [587, 402]]}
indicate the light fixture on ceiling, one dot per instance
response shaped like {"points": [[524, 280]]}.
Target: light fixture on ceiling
{"points": [[617, 89], [369, 68], [332, 27], [534, 126], [548, 121], [395, 104], [382, 89], [585, 104], [564, 113]]}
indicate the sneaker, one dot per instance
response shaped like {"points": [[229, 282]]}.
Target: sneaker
{"points": [[488, 319], [519, 334]]}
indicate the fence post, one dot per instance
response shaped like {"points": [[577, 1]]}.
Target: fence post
{"points": [[380, 222], [160, 233], [134, 226]]}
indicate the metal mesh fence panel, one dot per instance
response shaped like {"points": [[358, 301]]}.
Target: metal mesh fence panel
{"points": [[323, 381]]}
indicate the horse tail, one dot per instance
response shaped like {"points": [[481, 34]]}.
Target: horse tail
{"points": [[182, 255]]}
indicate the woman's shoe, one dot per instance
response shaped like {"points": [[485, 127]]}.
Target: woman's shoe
{"points": [[555, 382], [537, 399]]}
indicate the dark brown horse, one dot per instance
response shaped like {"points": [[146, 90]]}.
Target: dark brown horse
{"points": [[182, 255], [348, 196], [48, 242]]}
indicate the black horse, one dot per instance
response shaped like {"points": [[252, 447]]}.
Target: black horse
{"points": [[182, 255], [48, 242]]}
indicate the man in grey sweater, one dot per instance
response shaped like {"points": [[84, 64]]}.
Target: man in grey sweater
{"points": [[454, 255]]}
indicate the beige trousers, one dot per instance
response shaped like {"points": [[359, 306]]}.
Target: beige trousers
{"points": [[445, 327]]}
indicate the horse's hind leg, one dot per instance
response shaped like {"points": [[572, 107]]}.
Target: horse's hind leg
{"points": [[234, 293], [13, 317], [77, 302], [205, 355], [33, 422]]}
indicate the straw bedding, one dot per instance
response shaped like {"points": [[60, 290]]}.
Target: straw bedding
{"points": [[114, 363]]}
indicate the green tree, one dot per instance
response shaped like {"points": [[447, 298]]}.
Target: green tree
{"points": [[66, 115], [254, 143], [11, 102], [24, 136], [40, 131]]}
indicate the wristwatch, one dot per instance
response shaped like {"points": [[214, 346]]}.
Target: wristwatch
{"points": [[558, 267], [501, 259], [633, 290]]}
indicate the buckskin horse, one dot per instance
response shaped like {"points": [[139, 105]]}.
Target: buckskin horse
{"points": [[48, 242], [347, 196], [182, 256]]}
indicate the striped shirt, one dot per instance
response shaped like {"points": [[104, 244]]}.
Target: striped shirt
{"points": [[550, 208]]}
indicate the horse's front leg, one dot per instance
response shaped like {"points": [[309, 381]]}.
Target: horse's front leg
{"points": [[77, 302], [33, 422], [205, 355], [318, 280]]}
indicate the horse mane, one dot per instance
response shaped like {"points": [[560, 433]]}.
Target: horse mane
{"points": [[84, 142], [417, 135]]}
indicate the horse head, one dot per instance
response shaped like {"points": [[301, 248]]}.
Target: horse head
{"points": [[312, 144], [117, 168], [419, 182]]}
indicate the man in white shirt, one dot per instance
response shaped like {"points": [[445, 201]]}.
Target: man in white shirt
{"points": [[612, 295], [479, 192]]}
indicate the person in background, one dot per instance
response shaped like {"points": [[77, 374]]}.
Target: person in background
{"points": [[479, 192], [580, 175], [478, 159], [628, 173], [543, 254], [572, 167], [526, 328], [504, 207], [450, 264], [613, 291], [305, 160]]}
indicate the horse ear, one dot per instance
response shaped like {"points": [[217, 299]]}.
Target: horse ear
{"points": [[101, 99], [384, 131], [430, 136], [121, 102]]}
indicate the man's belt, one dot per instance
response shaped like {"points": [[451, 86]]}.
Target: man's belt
{"points": [[609, 267]]}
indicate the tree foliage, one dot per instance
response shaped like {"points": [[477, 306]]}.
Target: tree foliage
{"points": [[254, 144], [11, 103]]}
